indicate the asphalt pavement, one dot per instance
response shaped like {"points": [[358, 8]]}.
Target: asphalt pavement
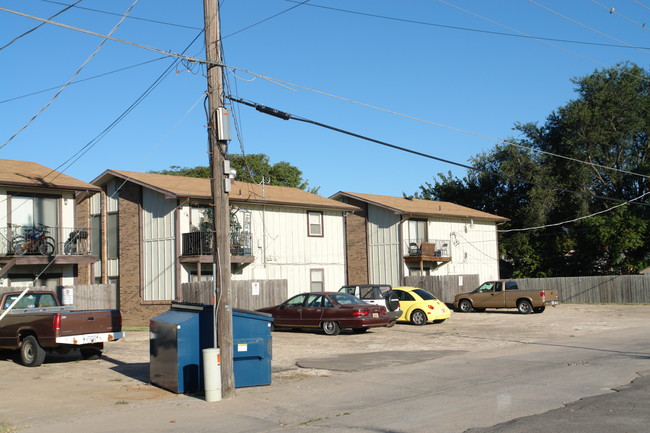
{"points": [[594, 383]]}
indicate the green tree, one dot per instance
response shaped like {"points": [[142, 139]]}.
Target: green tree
{"points": [[607, 126], [253, 168]]}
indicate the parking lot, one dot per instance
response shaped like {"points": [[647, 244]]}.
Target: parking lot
{"points": [[65, 386]]}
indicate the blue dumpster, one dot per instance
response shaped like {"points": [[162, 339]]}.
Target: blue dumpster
{"points": [[179, 335], [251, 333], [174, 351]]}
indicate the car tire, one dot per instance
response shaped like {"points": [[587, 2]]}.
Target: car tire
{"points": [[392, 301], [418, 317], [465, 306], [330, 328], [524, 306], [538, 310], [31, 353], [359, 330]]}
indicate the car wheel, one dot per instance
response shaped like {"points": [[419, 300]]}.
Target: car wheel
{"points": [[331, 328], [418, 317], [465, 305], [524, 307], [359, 330], [31, 353], [539, 309]]}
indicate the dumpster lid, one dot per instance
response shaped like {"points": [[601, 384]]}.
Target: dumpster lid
{"points": [[259, 314]]}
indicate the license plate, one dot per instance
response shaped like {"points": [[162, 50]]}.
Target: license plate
{"points": [[375, 314]]}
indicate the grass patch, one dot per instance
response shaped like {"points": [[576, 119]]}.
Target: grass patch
{"points": [[5, 427], [135, 328]]}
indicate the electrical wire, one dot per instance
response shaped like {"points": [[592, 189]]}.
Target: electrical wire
{"points": [[266, 19], [468, 29], [286, 116], [41, 24], [130, 17], [88, 59], [585, 26], [575, 219], [84, 79], [612, 10], [74, 158]]}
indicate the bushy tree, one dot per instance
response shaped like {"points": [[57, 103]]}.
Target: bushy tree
{"points": [[607, 126]]}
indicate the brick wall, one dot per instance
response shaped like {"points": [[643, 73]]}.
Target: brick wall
{"points": [[82, 219], [357, 243]]}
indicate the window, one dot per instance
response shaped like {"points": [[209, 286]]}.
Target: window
{"points": [[315, 223], [112, 236], [316, 280], [417, 231]]}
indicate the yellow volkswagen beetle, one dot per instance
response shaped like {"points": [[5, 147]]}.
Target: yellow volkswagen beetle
{"points": [[419, 306]]}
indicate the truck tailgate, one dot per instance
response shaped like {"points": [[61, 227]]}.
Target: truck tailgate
{"points": [[85, 327]]}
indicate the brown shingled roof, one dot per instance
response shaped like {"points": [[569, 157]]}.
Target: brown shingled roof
{"points": [[31, 174], [241, 192], [417, 207]]}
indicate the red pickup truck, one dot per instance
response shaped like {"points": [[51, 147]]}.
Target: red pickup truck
{"points": [[38, 324]]}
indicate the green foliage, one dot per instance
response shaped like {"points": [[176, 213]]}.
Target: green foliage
{"points": [[607, 125], [253, 168]]}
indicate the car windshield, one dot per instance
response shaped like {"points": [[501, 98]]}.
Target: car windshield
{"points": [[424, 295], [345, 299]]}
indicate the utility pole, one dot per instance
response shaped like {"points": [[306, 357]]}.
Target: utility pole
{"points": [[218, 148]]}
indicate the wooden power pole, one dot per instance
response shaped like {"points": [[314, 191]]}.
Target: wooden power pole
{"points": [[218, 147]]}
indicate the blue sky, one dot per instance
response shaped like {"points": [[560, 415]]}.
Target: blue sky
{"points": [[443, 66]]}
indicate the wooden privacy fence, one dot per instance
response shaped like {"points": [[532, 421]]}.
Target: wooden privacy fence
{"points": [[86, 297], [616, 289], [248, 295], [444, 287]]}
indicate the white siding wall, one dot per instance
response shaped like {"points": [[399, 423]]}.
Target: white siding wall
{"points": [[159, 255], [282, 249], [384, 246], [473, 247]]}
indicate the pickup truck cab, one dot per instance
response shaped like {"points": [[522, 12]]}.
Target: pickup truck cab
{"points": [[505, 294], [37, 324]]}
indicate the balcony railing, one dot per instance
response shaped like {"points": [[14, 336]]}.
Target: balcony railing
{"points": [[44, 240], [200, 243], [431, 249]]}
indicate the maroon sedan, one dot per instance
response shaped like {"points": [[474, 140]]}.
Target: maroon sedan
{"points": [[330, 311]]}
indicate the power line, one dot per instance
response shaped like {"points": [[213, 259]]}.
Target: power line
{"points": [[289, 85], [286, 116], [73, 76], [82, 80], [575, 219], [467, 29], [41, 24], [585, 26], [84, 149], [130, 17]]}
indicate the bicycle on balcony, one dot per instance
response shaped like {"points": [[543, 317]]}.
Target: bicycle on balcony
{"points": [[35, 241]]}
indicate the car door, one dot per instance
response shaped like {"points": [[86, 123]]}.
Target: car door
{"points": [[289, 313], [494, 298], [484, 295], [312, 311], [406, 301]]}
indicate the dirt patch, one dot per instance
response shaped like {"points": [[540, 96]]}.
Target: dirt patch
{"points": [[66, 386]]}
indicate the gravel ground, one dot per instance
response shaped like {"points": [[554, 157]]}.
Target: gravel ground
{"points": [[66, 385]]}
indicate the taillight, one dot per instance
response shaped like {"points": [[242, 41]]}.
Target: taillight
{"points": [[383, 310], [56, 323], [542, 293], [360, 313]]}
